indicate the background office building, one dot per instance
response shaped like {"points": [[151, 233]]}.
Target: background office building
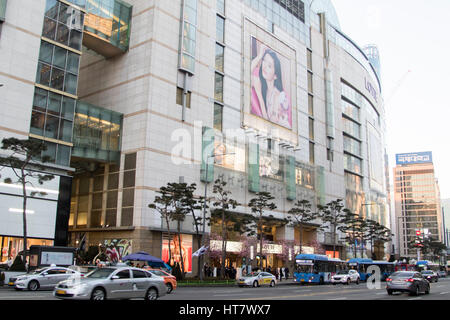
{"points": [[128, 95], [446, 218], [417, 201]]}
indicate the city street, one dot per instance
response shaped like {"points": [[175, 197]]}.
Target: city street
{"points": [[439, 291]]}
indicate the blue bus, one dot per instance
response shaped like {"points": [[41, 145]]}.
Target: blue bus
{"points": [[314, 268], [362, 264], [427, 265]]}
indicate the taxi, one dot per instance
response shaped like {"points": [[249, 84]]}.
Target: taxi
{"points": [[257, 279]]}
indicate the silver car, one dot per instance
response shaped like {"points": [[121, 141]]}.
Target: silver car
{"points": [[407, 281], [45, 278], [257, 279], [112, 283]]}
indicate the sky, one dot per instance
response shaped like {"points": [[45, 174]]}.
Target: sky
{"points": [[412, 37]]}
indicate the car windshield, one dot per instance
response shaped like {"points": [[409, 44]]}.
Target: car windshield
{"points": [[158, 273], [342, 272], [402, 275], [100, 273], [251, 275], [38, 271]]}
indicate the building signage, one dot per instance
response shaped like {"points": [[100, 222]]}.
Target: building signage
{"points": [[232, 246], [413, 158], [370, 88], [304, 262]]}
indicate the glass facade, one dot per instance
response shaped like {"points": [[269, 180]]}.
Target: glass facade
{"points": [[109, 20], [2, 10], [288, 15], [97, 133], [57, 79], [58, 68], [63, 24], [188, 36], [417, 198]]}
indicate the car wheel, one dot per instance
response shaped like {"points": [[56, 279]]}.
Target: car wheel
{"points": [[33, 285], [272, 283], [169, 288], [321, 280], [151, 294], [427, 291], [390, 292], [255, 284], [348, 281], [415, 292], [357, 280], [98, 294]]}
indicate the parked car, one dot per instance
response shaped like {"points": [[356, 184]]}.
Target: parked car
{"points": [[257, 279], [169, 280], [407, 281], [345, 277], [442, 274], [430, 275], [112, 283], [45, 278]]}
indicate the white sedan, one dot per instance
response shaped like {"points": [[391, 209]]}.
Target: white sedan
{"points": [[257, 279], [345, 277]]}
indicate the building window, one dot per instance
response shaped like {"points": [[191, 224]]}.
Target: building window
{"points": [[311, 105], [310, 82], [58, 68], [63, 23], [220, 49], [311, 153], [220, 29], [309, 59], [128, 189], [189, 36], [218, 116], [218, 87], [220, 6], [180, 93], [311, 129]]}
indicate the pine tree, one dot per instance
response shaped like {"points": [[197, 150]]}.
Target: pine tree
{"points": [[258, 206], [300, 215]]}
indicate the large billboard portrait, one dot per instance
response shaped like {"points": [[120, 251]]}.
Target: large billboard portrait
{"points": [[270, 85]]}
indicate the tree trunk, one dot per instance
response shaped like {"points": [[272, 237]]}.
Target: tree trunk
{"points": [[181, 253], [260, 243], [301, 239], [168, 231], [199, 244], [224, 247]]}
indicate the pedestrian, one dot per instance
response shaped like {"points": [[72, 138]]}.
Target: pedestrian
{"points": [[281, 274], [286, 272], [276, 273], [269, 269]]}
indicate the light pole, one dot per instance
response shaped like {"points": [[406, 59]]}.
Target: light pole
{"points": [[204, 204]]}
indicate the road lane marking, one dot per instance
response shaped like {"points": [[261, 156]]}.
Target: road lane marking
{"points": [[419, 298], [343, 298], [443, 292], [304, 295]]}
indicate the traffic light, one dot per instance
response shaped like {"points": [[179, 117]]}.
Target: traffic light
{"points": [[418, 233]]}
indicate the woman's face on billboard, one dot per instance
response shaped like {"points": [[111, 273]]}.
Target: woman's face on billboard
{"points": [[268, 68]]}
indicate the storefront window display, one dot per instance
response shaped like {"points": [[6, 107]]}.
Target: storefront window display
{"points": [[177, 250], [11, 246]]}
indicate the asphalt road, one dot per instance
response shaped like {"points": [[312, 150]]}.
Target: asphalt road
{"points": [[439, 291]]}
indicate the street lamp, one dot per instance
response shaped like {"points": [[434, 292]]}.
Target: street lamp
{"points": [[204, 203]]}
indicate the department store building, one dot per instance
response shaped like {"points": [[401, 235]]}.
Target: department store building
{"points": [[269, 95]]}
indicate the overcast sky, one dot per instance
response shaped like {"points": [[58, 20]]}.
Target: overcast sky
{"points": [[412, 37]]}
